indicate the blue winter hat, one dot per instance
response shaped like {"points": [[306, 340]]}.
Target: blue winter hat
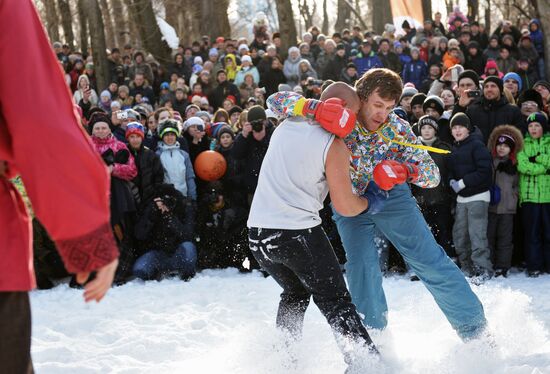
{"points": [[164, 86], [513, 76]]}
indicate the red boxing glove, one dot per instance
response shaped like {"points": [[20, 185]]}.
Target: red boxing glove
{"points": [[388, 173], [332, 115]]}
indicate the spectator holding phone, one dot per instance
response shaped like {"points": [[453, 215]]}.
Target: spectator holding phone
{"points": [[491, 109], [251, 146]]}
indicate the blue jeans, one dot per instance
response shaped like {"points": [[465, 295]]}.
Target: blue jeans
{"points": [[154, 263], [403, 224]]}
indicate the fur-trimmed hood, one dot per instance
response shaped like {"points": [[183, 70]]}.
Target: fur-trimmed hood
{"points": [[509, 130]]}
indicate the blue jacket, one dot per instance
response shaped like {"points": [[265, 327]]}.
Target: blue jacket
{"points": [[415, 72], [471, 161], [365, 63], [536, 37]]}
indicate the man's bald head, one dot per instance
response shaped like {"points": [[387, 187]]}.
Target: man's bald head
{"points": [[345, 92]]}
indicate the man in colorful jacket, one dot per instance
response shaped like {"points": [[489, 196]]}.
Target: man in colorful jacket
{"points": [[385, 150], [64, 177]]}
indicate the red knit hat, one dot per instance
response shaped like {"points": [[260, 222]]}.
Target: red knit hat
{"points": [[135, 128]]}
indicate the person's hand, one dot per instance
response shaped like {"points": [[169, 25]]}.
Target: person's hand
{"points": [[464, 100], [533, 159], [161, 206], [197, 136], [457, 186], [86, 94], [376, 198], [389, 173], [447, 75], [97, 288], [114, 118], [247, 129]]}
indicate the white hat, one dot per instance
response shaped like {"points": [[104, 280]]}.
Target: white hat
{"points": [[270, 114], [246, 58], [198, 60], [243, 46], [193, 121]]}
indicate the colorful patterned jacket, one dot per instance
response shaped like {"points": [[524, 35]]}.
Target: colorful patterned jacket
{"points": [[368, 149]]}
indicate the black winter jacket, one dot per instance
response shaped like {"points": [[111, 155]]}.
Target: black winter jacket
{"points": [[166, 231], [252, 152], [442, 193], [471, 161], [150, 173], [486, 115]]}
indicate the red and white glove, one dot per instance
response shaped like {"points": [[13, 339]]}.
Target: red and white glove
{"points": [[331, 114], [389, 173]]}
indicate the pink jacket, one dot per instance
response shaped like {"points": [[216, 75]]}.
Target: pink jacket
{"points": [[127, 171]]}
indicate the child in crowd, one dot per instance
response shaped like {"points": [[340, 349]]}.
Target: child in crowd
{"points": [[178, 169], [470, 177], [435, 203], [505, 142], [534, 188]]}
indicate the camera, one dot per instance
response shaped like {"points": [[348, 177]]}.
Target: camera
{"points": [[474, 94], [314, 82], [122, 115], [257, 125]]}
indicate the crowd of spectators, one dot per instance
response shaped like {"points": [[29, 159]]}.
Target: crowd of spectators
{"points": [[482, 95]]}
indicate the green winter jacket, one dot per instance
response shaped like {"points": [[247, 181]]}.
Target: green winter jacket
{"points": [[534, 177]]}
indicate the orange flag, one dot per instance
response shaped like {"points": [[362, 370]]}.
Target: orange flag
{"points": [[410, 10]]}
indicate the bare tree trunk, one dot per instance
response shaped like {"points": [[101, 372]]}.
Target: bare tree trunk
{"points": [[121, 27], [83, 21], [172, 13], [488, 16], [342, 20], [381, 13], [67, 22], [427, 9], [325, 18], [108, 22], [97, 38], [149, 30], [52, 20], [214, 20], [356, 12], [190, 22], [449, 6], [542, 7], [287, 27], [473, 10], [307, 13]]}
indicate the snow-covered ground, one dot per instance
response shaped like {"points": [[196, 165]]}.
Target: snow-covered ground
{"points": [[224, 322]]}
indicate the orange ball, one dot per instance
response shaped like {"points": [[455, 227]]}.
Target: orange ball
{"points": [[210, 166]]}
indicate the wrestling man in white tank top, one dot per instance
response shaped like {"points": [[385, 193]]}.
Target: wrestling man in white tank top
{"points": [[302, 165]]}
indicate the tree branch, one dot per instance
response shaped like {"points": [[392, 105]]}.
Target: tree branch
{"points": [[357, 14]]}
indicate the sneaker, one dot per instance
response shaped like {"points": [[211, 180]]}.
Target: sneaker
{"points": [[481, 277], [533, 273], [501, 273]]}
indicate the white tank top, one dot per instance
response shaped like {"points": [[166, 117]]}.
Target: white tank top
{"points": [[292, 184]]}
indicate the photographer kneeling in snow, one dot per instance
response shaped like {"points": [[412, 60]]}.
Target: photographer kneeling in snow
{"points": [[166, 229]]}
